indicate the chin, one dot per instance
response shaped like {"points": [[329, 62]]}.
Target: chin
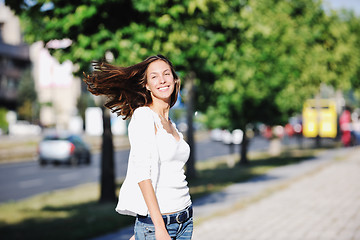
{"points": [[166, 94], [164, 97]]}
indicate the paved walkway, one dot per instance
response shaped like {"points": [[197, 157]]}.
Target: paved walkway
{"points": [[315, 199], [322, 204]]}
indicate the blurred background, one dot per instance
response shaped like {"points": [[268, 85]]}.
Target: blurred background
{"points": [[260, 79]]}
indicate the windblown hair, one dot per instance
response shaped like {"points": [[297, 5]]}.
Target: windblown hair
{"points": [[125, 87]]}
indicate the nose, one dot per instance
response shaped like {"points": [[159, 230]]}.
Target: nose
{"points": [[162, 79]]}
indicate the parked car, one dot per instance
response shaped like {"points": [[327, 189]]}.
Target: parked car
{"points": [[63, 148], [227, 137]]}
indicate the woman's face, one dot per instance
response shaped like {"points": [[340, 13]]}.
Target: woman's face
{"points": [[160, 80]]}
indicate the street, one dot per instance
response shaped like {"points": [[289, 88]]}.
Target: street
{"points": [[22, 180]]}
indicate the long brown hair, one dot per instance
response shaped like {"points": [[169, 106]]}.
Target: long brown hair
{"points": [[125, 87]]}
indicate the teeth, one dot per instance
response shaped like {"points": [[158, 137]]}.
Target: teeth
{"points": [[163, 88]]}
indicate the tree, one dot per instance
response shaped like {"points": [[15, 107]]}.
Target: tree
{"points": [[84, 101], [4, 125], [354, 27], [276, 57], [250, 60], [107, 177], [28, 106], [129, 30], [253, 70], [90, 26]]}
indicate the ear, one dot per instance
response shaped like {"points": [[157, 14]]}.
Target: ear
{"points": [[178, 82]]}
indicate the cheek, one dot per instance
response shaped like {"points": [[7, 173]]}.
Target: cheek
{"points": [[170, 79], [149, 83]]}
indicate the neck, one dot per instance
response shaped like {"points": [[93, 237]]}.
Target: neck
{"points": [[160, 107]]}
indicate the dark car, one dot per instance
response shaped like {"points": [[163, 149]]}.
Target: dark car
{"points": [[63, 148]]}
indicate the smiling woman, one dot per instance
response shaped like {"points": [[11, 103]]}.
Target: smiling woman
{"points": [[125, 87], [161, 81], [155, 190]]}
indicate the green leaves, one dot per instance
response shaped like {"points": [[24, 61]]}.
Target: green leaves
{"points": [[279, 54], [81, 14], [253, 60]]}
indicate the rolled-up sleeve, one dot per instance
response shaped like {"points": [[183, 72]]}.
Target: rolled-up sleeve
{"points": [[142, 141]]}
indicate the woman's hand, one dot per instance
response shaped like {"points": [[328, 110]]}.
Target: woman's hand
{"points": [[154, 210], [162, 234], [132, 237]]}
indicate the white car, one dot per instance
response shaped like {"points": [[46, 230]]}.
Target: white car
{"points": [[65, 148], [227, 137]]}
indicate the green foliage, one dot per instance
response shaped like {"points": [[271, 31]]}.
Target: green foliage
{"points": [[254, 60], [28, 107], [3, 122], [277, 56]]}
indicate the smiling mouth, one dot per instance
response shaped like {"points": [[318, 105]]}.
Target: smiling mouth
{"points": [[163, 88]]}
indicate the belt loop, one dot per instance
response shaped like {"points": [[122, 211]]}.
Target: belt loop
{"points": [[167, 219], [187, 213]]}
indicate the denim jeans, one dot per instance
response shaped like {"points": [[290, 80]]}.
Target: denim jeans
{"points": [[179, 231]]}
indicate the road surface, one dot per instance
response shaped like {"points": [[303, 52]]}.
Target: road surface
{"points": [[22, 180]]}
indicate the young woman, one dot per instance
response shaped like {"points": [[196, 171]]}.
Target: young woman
{"points": [[155, 189]]}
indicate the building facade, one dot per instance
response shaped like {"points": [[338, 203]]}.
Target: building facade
{"points": [[14, 57], [57, 89]]}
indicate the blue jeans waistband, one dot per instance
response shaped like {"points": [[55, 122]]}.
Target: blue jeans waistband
{"points": [[179, 217]]}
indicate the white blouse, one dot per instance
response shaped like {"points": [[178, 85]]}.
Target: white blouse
{"points": [[159, 157]]}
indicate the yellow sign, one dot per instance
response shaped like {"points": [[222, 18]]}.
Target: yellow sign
{"points": [[319, 118]]}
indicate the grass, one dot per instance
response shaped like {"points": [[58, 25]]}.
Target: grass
{"points": [[76, 214], [65, 214], [215, 175]]}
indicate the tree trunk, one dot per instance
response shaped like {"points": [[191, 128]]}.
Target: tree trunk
{"points": [[318, 141], [190, 95], [107, 185], [243, 150]]}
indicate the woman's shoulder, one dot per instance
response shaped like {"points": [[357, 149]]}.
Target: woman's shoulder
{"points": [[142, 111], [142, 114], [142, 120]]}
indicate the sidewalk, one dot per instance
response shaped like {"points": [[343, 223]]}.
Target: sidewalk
{"points": [[315, 199], [323, 202]]}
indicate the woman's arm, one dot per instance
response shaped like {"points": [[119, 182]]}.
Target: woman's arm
{"points": [[154, 210]]}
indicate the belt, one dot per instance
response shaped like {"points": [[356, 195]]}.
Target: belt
{"points": [[179, 217]]}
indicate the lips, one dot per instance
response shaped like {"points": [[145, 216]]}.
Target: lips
{"points": [[163, 88]]}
